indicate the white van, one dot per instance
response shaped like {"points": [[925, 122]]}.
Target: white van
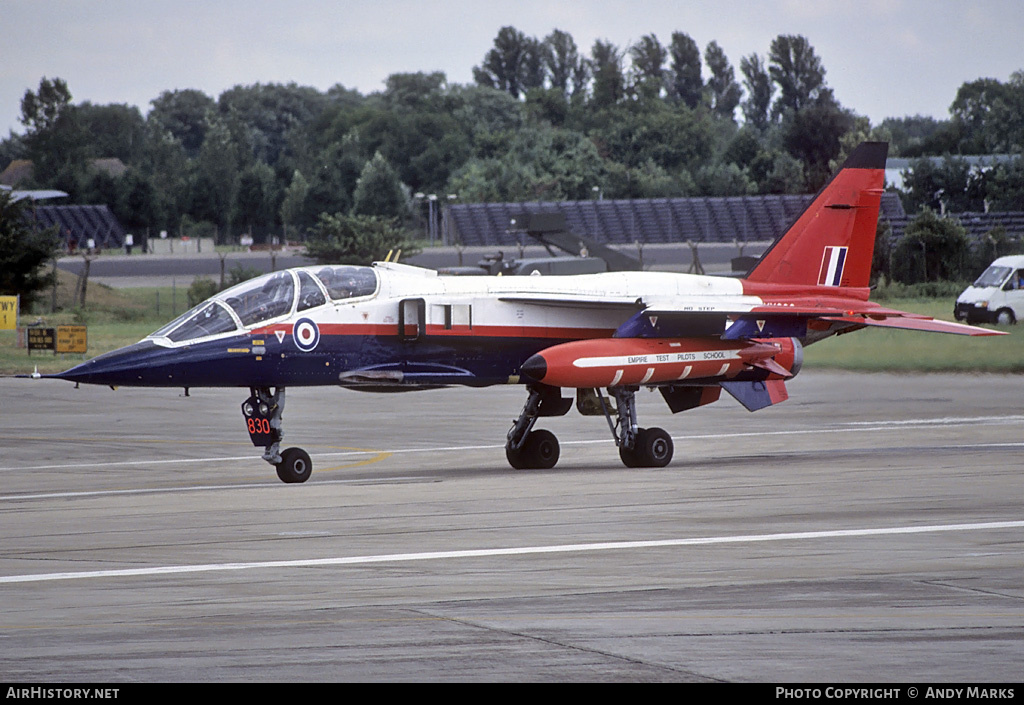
{"points": [[997, 296]]}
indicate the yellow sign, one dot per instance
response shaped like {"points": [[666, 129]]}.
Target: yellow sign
{"points": [[8, 312], [72, 339]]}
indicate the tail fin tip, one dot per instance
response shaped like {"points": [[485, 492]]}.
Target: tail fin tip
{"points": [[831, 242], [868, 155]]}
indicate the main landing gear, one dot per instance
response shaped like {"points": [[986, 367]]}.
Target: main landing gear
{"points": [[638, 447], [536, 450], [263, 412]]}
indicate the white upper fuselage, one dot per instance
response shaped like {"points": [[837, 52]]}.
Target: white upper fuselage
{"points": [[583, 305], [584, 301]]}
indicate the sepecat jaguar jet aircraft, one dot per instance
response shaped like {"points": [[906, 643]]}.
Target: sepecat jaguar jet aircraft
{"points": [[393, 327]]}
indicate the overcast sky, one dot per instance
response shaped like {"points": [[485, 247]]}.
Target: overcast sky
{"points": [[883, 58]]}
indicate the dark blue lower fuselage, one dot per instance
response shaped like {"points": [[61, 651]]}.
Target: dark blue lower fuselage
{"points": [[349, 360]]}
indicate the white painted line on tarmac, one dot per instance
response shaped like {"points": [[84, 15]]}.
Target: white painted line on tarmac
{"points": [[368, 480], [844, 429], [861, 426], [494, 552], [945, 421]]}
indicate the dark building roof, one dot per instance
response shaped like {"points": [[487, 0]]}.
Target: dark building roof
{"points": [[647, 220], [79, 223]]}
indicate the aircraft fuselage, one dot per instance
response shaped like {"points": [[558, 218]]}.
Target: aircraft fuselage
{"points": [[415, 329]]}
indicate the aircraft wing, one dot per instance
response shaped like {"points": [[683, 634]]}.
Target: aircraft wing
{"points": [[670, 305], [914, 322], [573, 300], [791, 319], [752, 318], [867, 313]]}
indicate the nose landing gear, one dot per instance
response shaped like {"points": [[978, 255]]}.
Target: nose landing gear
{"points": [[263, 412]]}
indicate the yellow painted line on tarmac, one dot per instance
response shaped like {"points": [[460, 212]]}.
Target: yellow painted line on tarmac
{"points": [[378, 455]]}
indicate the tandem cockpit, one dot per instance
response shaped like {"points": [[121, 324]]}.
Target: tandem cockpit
{"points": [[268, 298]]}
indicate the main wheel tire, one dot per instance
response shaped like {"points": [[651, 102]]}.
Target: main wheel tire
{"points": [[542, 449], [633, 457], [295, 466], [656, 448], [516, 458], [539, 452], [1005, 317]]}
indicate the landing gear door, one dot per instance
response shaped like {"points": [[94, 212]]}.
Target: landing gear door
{"points": [[412, 319], [262, 412]]}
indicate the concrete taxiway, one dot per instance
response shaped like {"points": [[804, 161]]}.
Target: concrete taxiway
{"points": [[870, 529]]}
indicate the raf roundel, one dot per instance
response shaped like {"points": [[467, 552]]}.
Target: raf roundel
{"points": [[306, 334]]}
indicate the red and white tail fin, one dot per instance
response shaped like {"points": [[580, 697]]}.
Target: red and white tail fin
{"points": [[833, 240]]}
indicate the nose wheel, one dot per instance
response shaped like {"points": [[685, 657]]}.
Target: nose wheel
{"points": [[263, 412], [295, 465]]}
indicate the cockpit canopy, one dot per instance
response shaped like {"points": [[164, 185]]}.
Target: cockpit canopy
{"points": [[270, 297]]}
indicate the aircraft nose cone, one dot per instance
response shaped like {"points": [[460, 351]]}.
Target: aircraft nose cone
{"points": [[122, 366], [536, 367]]}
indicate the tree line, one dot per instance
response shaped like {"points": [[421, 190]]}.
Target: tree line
{"points": [[543, 120]]}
